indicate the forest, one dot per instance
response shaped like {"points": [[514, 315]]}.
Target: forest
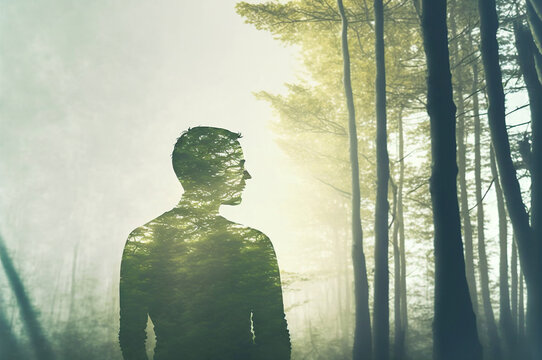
{"points": [[403, 195]]}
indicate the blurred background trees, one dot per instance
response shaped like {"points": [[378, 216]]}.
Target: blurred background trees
{"points": [[74, 297]]}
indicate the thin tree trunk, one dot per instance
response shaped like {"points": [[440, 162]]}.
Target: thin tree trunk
{"points": [[399, 229], [71, 311], [526, 51], [494, 346], [519, 319], [514, 281], [9, 345], [339, 260], [505, 320], [465, 214], [526, 58], [462, 167], [534, 16], [362, 332], [398, 328], [381, 326], [400, 217], [348, 293], [521, 308], [454, 326], [494, 342], [40, 344]]}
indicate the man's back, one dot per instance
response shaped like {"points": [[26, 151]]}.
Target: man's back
{"points": [[205, 282]]}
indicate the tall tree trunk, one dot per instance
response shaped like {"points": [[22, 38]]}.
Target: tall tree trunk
{"points": [[454, 326], [339, 260], [40, 344], [493, 335], [462, 167], [347, 293], [492, 332], [404, 304], [71, 311], [529, 239], [398, 327], [514, 280], [505, 319], [399, 255], [523, 351], [526, 52], [362, 331], [526, 58], [521, 307], [465, 214], [381, 326], [534, 15], [9, 345]]}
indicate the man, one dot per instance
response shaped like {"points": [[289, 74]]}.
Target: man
{"points": [[210, 286]]}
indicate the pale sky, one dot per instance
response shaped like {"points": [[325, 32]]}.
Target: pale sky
{"points": [[94, 90], [92, 98]]}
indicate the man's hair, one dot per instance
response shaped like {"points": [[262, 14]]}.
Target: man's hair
{"points": [[202, 154]]}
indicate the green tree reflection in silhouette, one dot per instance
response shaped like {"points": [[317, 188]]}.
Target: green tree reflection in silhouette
{"points": [[211, 287]]}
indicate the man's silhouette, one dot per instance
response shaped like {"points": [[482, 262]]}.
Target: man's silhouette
{"points": [[211, 287]]}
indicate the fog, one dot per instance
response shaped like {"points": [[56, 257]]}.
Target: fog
{"points": [[93, 96]]}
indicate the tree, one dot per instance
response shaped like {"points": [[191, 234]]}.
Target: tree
{"points": [[362, 332], [494, 342], [381, 287], [459, 85], [311, 114], [399, 253], [534, 16], [528, 235], [9, 345], [454, 326], [506, 321], [40, 344]]}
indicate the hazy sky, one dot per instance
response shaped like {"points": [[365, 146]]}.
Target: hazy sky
{"points": [[94, 94]]}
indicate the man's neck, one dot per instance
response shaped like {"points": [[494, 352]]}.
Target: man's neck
{"points": [[194, 201]]}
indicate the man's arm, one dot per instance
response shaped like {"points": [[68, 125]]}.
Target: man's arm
{"points": [[133, 300], [271, 334]]}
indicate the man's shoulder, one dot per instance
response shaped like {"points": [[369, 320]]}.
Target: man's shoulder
{"points": [[142, 237], [146, 232], [142, 234], [248, 233], [137, 243], [255, 241]]}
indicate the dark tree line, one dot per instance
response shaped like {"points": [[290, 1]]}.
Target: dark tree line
{"points": [[527, 231], [464, 318]]}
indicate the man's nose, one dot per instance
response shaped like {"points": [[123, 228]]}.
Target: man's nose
{"points": [[246, 175]]}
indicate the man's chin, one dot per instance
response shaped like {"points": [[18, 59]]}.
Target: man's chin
{"points": [[234, 201]]}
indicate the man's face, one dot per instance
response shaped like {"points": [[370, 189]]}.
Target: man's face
{"points": [[235, 177]]}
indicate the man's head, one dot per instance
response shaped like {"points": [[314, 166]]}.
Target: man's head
{"points": [[209, 164]]}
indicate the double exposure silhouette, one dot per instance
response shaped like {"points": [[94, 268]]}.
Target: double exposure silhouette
{"points": [[210, 286]]}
